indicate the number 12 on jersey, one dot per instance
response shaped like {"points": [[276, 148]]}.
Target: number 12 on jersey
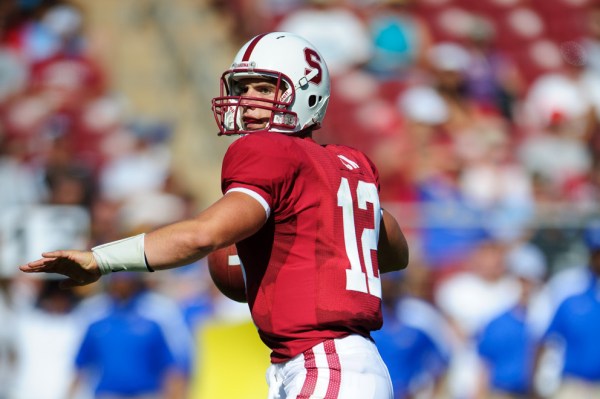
{"points": [[356, 278]]}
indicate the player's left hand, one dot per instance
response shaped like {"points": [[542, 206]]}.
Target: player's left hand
{"points": [[79, 266]]}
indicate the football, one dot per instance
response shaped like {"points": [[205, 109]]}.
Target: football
{"points": [[226, 272]]}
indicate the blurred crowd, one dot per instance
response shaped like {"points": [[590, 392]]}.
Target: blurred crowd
{"points": [[482, 117], [79, 168]]}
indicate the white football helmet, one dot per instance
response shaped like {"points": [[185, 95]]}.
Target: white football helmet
{"points": [[301, 77]]}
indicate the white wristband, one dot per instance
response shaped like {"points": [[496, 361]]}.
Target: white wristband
{"points": [[122, 255]]}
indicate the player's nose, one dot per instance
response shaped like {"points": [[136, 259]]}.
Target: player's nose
{"points": [[248, 101]]}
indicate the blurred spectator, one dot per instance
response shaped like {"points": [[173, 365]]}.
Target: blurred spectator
{"points": [[335, 29], [450, 224], [63, 23], [195, 293], [24, 119], [498, 185], [468, 126], [425, 108], [62, 219], [50, 366], [20, 23], [68, 76], [470, 299], [587, 58], [400, 39], [493, 80], [415, 338], [8, 335], [150, 210], [136, 344], [24, 178], [448, 63], [403, 158], [105, 220], [358, 115], [591, 40], [37, 29], [560, 241], [556, 148], [30, 230], [508, 343], [574, 329], [472, 296], [143, 166], [13, 75], [69, 181]]}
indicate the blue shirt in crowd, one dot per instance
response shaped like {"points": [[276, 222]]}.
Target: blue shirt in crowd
{"points": [[508, 348], [412, 353], [127, 353], [576, 324]]}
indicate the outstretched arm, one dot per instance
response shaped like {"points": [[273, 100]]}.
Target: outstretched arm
{"points": [[392, 250], [232, 218]]}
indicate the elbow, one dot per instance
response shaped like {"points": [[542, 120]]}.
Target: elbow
{"points": [[205, 240], [202, 243]]}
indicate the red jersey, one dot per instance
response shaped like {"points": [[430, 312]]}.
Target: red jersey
{"points": [[311, 271]]}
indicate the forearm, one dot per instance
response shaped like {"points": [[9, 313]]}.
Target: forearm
{"points": [[231, 219], [176, 245]]}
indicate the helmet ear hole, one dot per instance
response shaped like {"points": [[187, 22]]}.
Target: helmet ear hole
{"points": [[312, 101]]}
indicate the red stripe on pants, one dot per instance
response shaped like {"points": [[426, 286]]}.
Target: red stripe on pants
{"points": [[335, 370], [310, 381], [312, 373]]}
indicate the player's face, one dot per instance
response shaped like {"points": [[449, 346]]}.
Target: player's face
{"points": [[252, 90]]}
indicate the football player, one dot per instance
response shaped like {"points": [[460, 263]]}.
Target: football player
{"points": [[306, 220]]}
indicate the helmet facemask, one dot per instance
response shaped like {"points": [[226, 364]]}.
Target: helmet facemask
{"points": [[229, 107]]}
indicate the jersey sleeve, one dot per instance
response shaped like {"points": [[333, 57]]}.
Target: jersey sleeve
{"points": [[257, 165]]}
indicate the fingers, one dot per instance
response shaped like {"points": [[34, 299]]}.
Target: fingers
{"points": [[49, 259], [57, 254], [37, 266], [71, 264]]}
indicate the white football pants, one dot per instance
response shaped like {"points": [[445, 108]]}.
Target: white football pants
{"points": [[345, 368]]}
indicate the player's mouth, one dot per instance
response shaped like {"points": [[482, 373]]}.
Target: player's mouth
{"points": [[253, 123]]}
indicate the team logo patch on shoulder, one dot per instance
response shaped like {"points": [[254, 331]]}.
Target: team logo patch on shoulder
{"points": [[350, 164]]}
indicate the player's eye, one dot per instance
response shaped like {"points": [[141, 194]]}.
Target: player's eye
{"points": [[266, 90], [238, 89]]}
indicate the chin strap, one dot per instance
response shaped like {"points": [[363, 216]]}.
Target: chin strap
{"points": [[303, 81]]}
